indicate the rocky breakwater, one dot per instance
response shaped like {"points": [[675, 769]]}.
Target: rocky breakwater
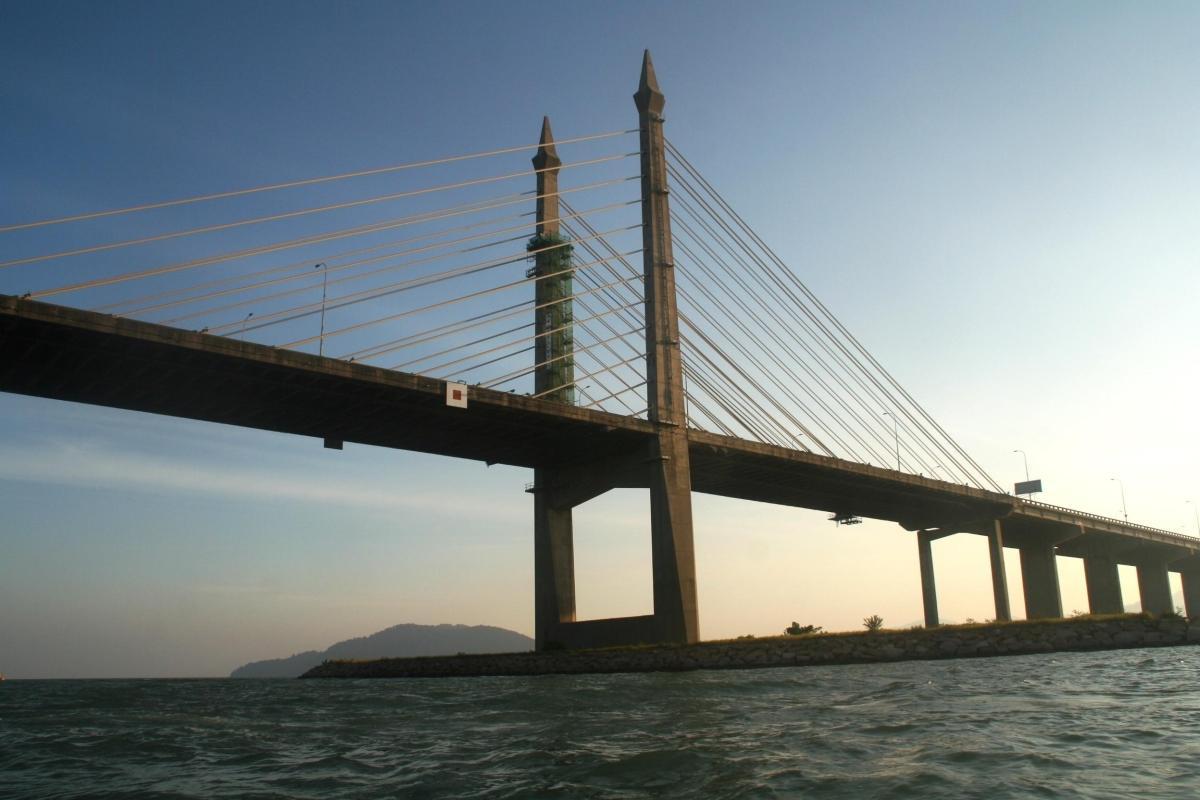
{"points": [[957, 641]]}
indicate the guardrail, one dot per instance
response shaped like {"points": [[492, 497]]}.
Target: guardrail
{"points": [[1191, 541]]}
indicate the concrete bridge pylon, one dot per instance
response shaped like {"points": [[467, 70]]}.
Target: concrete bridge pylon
{"points": [[663, 466]]}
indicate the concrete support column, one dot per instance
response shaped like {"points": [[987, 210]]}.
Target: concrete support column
{"points": [[1103, 585], [999, 579], [553, 534], [553, 565], [928, 587], [1154, 587], [675, 608], [1191, 592], [1039, 580]]}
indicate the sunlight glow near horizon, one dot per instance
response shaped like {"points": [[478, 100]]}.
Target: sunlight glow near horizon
{"points": [[1000, 202]]}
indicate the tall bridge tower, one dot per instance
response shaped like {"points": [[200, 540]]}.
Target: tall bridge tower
{"points": [[662, 467]]}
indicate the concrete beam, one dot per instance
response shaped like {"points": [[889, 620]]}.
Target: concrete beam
{"points": [[933, 534], [943, 526], [928, 587], [1142, 551], [999, 579], [1022, 532], [1094, 545], [1039, 580], [612, 632], [575, 485], [1103, 585]]}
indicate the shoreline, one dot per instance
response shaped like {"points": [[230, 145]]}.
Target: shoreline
{"points": [[1109, 632]]}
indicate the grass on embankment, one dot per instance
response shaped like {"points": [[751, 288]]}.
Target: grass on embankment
{"points": [[751, 640]]}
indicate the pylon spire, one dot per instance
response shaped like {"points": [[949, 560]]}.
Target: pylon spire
{"points": [[547, 153], [648, 96]]}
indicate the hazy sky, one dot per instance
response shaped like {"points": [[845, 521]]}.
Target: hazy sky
{"points": [[999, 199]]}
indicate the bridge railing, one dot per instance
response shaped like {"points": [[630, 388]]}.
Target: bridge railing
{"points": [[1191, 541]]}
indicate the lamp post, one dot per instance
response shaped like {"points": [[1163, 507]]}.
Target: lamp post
{"points": [[896, 433], [1024, 458], [324, 286], [1124, 508], [242, 331]]}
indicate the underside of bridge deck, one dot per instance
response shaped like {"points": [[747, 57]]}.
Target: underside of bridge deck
{"points": [[769, 474], [68, 354]]}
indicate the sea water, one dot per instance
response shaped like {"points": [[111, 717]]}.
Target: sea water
{"points": [[1094, 725]]}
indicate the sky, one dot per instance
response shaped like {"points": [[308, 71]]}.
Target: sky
{"points": [[998, 199]]}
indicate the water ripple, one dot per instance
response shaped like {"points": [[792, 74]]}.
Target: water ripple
{"points": [[1097, 725]]}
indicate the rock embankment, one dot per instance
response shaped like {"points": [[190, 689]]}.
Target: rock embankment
{"points": [[960, 641]]}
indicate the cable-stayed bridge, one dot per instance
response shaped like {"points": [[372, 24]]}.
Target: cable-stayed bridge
{"points": [[616, 324]]}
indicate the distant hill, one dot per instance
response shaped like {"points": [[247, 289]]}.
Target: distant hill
{"points": [[397, 641]]}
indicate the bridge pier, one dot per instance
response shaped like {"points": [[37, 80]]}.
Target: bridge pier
{"points": [[1039, 580], [999, 579], [553, 564], [928, 586], [556, 493], [1103, 585], [1191, 591], [1154, 586]]}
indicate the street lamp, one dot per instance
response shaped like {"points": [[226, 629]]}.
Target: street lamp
{"points": [[1124, 508], [242, 332], [896, 433], [324, 286], [1024, 458]]}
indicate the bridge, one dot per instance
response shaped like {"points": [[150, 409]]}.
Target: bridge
{"points": [[774, 402]]}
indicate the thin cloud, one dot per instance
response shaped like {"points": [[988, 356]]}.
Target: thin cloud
{"points": [[97, 466]]}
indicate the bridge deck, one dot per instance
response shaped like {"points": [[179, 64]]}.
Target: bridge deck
{"points": [[69, 354]]}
